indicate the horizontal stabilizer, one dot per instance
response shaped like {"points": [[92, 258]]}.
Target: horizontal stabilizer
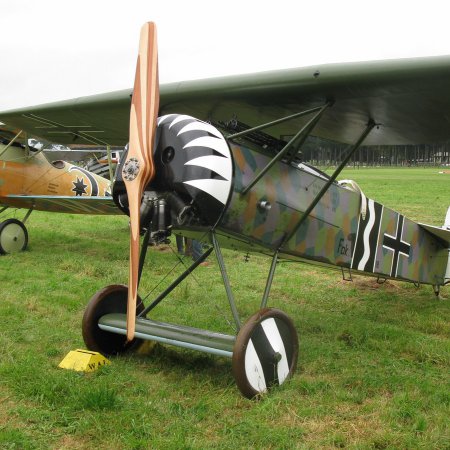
{"points": [[441, 233], [447, 219], [65, 204]]}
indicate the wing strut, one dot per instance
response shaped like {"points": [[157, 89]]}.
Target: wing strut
{"points": [[275, 122], [300, 136], [11, 142], [333, 177], [108, 153]]}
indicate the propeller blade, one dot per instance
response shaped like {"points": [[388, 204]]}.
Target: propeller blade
{"points": [[139, 167]]}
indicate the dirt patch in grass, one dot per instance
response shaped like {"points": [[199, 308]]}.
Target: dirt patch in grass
{"points": [[354, 425], [5, 418], [6, 403], [369, 284], [73, 443]]}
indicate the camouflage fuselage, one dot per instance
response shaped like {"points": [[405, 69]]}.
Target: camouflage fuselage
{"points": [[383, 243]]}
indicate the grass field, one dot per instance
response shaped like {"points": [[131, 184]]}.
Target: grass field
{"points": [[373, 368]]}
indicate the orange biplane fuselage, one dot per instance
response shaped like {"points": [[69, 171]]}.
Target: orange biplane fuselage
{"points": [[32, 174], [28, 180]]}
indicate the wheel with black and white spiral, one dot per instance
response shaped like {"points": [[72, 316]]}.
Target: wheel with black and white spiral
{"points": [[265, 352]]}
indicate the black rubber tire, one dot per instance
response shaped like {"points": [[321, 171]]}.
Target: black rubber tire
{"points": [[265, 352], [20, 238], [110, 299]]}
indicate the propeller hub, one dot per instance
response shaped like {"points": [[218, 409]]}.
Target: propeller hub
{"points": [[131, 169]]}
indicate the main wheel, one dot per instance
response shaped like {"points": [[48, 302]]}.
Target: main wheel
{"points": [[13, 236], [110, 299], [265, 353]]}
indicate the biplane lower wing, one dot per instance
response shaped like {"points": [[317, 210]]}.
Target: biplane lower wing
{"points": [[64, 204]]}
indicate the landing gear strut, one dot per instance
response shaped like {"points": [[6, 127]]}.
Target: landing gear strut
{"points": [[264, 350]]}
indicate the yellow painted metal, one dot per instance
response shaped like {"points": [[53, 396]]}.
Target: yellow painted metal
{"points": [[83, 361]]}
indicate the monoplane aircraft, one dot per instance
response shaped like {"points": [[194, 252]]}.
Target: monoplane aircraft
{"points": [[28, 180], [198, 163]]}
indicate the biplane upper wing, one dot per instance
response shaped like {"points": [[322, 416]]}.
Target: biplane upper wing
{"points": [[409, 99]]}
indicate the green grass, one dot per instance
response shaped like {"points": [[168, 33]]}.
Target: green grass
{"points": [[373, 370]]}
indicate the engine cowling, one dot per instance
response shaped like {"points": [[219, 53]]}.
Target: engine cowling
{"points": [[194, 173]]}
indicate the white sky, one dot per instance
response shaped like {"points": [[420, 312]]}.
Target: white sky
{"points": [[58, 49]]}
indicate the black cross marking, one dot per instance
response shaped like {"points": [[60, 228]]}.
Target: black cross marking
{"points": [[396, 245]]}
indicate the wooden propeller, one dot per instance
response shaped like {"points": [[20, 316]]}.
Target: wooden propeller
{"points": [[139, 167]]}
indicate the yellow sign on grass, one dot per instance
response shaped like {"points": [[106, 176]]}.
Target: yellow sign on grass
{"points": [[83, 361]]}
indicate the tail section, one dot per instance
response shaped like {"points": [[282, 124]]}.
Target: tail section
{"points": [[447, 273], [442, 233], [447, 225]]}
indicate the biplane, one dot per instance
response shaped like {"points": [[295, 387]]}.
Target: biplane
{"points": [[218, 160], [28, 180]]}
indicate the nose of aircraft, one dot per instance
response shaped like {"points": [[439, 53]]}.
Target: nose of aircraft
{"points": [[194, 160]]}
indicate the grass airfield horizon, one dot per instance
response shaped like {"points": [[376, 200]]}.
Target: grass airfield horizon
{"points": [[373, 369]]}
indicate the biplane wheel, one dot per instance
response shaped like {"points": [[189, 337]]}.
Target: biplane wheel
{"points": [[110, 299], [13, 236], [265, 353]]}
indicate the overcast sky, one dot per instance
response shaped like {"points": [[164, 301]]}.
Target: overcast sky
{"points": [[58, 49]]}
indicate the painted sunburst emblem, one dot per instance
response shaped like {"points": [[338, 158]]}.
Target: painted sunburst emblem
{"points": [[79, 187]]}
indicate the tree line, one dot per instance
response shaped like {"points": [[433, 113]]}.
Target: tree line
{"points": [[320, 152]]}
